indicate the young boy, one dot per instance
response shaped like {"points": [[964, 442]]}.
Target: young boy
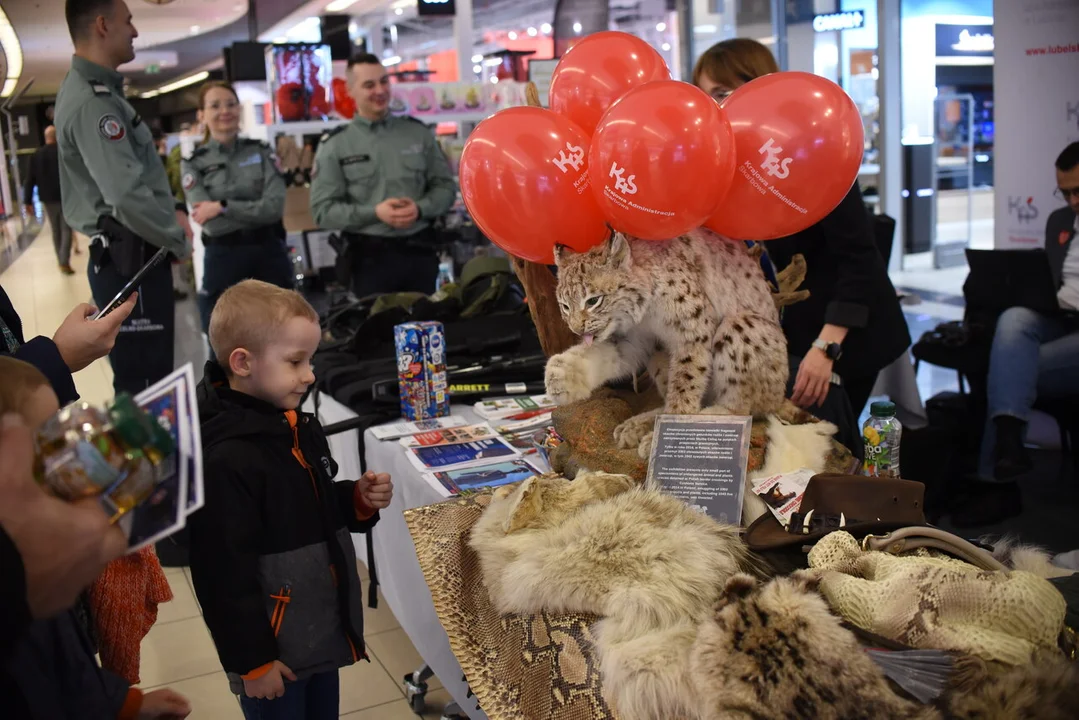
{"points": [[271, 552], [53, 666]]}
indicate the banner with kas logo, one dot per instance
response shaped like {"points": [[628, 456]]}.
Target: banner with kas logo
{"points": [[1036, 90]]}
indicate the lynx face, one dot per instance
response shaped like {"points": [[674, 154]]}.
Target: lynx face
{"points": [[599, 295]]}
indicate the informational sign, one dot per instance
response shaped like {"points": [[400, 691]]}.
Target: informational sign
{"points": [[701, 459], [443, 8], [1036, 112], [830, 22], [964, 40]]}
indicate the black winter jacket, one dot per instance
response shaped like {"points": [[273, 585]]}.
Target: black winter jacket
{"points": [[272, 559], [848, 286], [55, 671]]}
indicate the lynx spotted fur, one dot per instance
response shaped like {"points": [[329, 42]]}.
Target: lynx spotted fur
{"points": [[695, 309]]}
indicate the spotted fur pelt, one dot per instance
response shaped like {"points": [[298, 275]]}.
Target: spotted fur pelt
{"points": [[697, 307], [775, 651]]}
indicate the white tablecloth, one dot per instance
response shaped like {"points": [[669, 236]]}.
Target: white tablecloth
{"points": [[396, 565]]}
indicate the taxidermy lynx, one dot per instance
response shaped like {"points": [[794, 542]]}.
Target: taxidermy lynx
{"points": [[700, 300]]}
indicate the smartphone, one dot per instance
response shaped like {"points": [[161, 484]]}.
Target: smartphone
{"points": [[132, 284]]}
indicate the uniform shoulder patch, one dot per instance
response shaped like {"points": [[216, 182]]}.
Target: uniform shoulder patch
{"points": [[413, 119], [111, 127], [254, 141], [100, 88], [188, 181], [198, 152], [336, 131]]}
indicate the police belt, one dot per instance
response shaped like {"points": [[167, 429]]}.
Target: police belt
{"points": [[422, 243], [247, 236]]}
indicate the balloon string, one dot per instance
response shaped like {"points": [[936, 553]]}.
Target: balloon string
{"points": [[532, 98]]}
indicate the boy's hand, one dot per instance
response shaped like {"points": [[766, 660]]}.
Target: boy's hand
{"points": [[376, 489], [272, 684], [164, 704]]}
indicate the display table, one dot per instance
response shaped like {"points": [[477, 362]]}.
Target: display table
{"points": [[399, 574]]}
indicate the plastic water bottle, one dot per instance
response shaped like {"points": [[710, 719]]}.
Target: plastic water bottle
{"points": [[881, 433], [445, 275]]}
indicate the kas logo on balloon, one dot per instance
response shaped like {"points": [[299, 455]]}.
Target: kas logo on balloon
{"points": [[575, 158], [626, 186], [775, 165]]}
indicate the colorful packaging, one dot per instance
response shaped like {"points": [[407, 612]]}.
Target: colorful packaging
{"points": [[421, 370]]}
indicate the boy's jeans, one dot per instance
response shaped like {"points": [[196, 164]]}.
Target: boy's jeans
{"points": [[312, 698], [1031, 355]]}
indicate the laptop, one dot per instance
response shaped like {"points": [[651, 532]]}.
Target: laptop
{"points": [[1000, 279]]}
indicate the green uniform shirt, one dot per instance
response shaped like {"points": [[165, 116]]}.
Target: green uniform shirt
{"points": [[362, 163], [108, 161], [245, 174], [172, 170]]}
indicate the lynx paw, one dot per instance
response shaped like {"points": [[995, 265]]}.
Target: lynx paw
{"points": [[567, 379], [644, 449], [629, 434]]}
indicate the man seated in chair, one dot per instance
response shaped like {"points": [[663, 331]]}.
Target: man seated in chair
{"points": [[1032, 355]]}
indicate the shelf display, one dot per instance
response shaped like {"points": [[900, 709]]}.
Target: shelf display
{"points": [[301, 81]]}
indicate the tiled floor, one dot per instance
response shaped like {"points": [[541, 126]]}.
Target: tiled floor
{"points": [[178, 652]]}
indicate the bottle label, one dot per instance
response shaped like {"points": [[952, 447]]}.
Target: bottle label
{"points": [[880, 460]]}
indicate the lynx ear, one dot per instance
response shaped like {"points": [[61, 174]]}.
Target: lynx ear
{"points": [[618, 253], [525, 505], [562, 253]]}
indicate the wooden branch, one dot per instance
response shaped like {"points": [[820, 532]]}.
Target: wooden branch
{"points": [[539, 284]]}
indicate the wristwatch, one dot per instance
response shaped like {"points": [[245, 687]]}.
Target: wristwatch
{"points": [[833, 351]]}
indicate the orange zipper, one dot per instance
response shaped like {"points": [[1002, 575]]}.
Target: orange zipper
{"points": [[283, 598]]}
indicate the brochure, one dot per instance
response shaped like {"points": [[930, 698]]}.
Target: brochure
{"points": [[180, 491], [449, 436], [395, 431], [783, 493], [453, 457], [511, 406], [469, 480]]}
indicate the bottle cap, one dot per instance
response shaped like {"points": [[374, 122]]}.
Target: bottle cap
{"points": [[882, 409], [127, 421]]}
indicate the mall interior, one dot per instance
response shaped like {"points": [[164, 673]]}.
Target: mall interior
{"points": [[965, 107]]}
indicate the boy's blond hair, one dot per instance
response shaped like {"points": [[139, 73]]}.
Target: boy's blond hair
{"points": [[250, 313], [18, 381]]}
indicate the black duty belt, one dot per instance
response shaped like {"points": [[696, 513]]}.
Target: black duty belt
{"points": [[422, 243], [247, 236]]}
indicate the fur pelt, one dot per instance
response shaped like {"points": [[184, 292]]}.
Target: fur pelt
{"points": [[790, 448], [1029, 558], [1047, 689], [775, 651], [645, 562]]}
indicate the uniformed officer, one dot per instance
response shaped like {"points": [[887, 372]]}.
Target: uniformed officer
{"points": [[383, 180], [111, 177], [238, 196]]}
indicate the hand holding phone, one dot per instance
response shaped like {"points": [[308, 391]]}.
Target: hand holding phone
{"points": [[82, 339], [133, 283]]}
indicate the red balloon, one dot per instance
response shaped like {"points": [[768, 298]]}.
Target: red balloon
{"points": [[799, 142], [525, 181], [662, 158], [600, 69]]}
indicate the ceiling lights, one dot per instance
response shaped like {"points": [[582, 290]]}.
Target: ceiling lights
{"points": [[339, 5], [177, 84], [9, 41]]}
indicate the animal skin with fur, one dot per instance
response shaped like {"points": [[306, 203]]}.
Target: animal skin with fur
{"points": [[645, 562], [776, 651]]}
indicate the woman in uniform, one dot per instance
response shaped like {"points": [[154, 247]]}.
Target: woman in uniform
{"points": [[237, 194]]}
